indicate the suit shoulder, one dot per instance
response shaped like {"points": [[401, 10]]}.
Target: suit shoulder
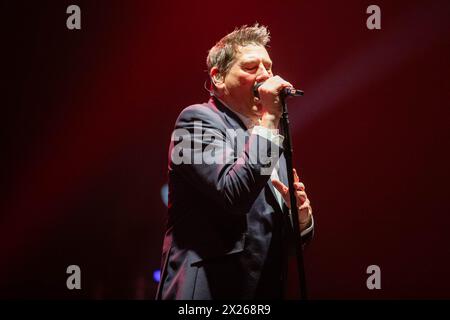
{"points": [[204, 112]]}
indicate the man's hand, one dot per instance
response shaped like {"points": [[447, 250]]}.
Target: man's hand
{"points": [[304, 206], [269, 100]]}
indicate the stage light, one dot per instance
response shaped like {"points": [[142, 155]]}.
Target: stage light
{"points": [[157, 275], [165, 194]]}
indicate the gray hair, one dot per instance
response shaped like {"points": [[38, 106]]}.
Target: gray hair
{"points": [[222, 55]]}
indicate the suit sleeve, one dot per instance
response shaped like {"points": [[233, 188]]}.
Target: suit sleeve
{"points": [[227, 165], [307, 235]]}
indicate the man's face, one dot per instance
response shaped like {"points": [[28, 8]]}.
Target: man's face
{"points": [[252, 64]]}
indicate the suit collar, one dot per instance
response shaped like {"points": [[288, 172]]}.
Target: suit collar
{"points": [[230, 116], [248, 122]]}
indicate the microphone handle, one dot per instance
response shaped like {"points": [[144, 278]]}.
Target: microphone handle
{"points": [[292, 92]]}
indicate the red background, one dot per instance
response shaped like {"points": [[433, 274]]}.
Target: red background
{"points": [[87, 117]]}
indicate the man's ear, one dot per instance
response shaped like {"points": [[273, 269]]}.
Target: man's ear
{"points": [[216, 77]]}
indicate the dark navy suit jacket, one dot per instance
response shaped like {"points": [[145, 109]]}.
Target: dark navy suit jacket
{"points": [[227, 236]]}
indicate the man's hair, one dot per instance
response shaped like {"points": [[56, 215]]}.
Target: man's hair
{"points": [[222, 55]]}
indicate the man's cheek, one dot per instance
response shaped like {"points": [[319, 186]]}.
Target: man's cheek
{"points": [[247, 81]]}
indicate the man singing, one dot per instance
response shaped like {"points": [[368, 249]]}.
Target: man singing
{"points": [[229, 229]]}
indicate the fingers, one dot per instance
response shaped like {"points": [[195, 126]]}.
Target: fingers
{"points": [[269, 96], [304, 215], [305, 212], [301, 195], [296, 178], [306, 204], [299, 186], [280, 187], [274, 85], [283, 190], [278, 82], [303, 203]]}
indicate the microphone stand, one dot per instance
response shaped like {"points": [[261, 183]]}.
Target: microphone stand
{"points": [[294, 209]]}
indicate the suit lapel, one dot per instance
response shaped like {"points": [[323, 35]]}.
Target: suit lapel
{"points": [[272, 188], [283, 170], [236, 123], [230, 117], [282, 175]]}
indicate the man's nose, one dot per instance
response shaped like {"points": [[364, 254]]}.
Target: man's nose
{"points": [[263, 74]]}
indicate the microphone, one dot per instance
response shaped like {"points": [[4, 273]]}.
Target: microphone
{"points": [[286, 92]]}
